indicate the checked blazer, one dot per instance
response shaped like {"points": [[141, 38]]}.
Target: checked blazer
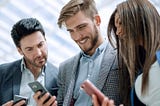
{"points": [[107, 82]]}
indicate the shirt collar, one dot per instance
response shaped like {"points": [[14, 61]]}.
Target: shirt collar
{"points": [[98, 51]]}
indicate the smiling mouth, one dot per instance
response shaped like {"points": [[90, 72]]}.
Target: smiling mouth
{"points": [[83, 41]]}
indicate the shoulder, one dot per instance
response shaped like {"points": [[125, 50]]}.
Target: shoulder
{"points": [[110, 55], [110, 48], [72, 60], [51, 68], [8, 66], [10, 63], [69, 65], [50, 65], [7, 70], [153, 92]]}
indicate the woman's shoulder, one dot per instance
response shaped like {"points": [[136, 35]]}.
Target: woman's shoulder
{"points": [[153, 91]]}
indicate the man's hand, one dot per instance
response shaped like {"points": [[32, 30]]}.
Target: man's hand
{"points": [[42, 100], [10, 103]]}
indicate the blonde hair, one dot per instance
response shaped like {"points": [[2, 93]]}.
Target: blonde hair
{"points": [[88, 7]]}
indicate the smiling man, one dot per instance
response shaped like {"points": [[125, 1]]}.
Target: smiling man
{"points": [[96, 61]]}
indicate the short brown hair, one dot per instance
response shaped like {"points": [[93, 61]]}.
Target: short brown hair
{"points": [[88, 7]]}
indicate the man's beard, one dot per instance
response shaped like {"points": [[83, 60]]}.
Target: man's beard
{"points": [[34, 62], [94, 40]]}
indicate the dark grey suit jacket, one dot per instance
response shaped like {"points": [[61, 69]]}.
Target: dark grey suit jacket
{"points": [[10, 79], [107, 82]]}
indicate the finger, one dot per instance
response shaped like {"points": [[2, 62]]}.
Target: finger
{"points": [[20, 103], [51, 101], [111, 103], [105, 102], [9, 103], [55, 103], [36, 95], [41, 101], [95, 101]]}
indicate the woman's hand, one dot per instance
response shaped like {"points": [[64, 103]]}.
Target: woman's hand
{"points": [[106, 101]]}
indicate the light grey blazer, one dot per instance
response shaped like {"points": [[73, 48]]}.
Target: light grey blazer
{"points": [[10, 79], [108, 80]]}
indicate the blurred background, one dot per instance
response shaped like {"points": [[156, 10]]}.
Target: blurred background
{"points": [[60, 45]]}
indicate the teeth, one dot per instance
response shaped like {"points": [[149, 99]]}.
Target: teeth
{"points": [[82, 41]]}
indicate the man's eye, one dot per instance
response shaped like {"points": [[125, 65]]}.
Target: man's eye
{"points": [[29, 49], [70, 31], [81, 27], [41, 44]]}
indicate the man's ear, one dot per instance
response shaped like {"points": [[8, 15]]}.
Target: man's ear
{"points": [[97, 19], [20, 50]]}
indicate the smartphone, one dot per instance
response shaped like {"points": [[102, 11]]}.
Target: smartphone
{"points": [[18, 98], [90, 89], [37, 86]]}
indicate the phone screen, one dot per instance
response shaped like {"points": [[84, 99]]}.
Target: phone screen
{"points": [[37, 86]]}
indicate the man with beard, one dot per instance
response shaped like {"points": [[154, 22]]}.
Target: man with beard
{"points": [[29, 38], [96, 61]]}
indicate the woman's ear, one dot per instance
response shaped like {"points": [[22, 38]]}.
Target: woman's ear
{"points": [[97, 19]]}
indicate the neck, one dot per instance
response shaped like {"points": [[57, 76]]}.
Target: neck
{"points": [[100, 41], [34, 70]]}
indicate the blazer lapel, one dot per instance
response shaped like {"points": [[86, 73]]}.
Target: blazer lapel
{"points": [[47, 77], [68, 97], [108, 60], [17, 79]]}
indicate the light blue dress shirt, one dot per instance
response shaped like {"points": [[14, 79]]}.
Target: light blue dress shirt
{"points": [[27, 77], [89, 68]]}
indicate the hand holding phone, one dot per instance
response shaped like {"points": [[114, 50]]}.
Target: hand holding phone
{"points": [[18, 98], [36, 86], [91, 89]]}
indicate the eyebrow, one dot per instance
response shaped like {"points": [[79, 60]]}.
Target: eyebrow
{"points": [[32, 46], [78, 26]]}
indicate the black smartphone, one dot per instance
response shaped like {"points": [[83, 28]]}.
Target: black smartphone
{"points": [[90, 89], [37, 86], [18, 98]]}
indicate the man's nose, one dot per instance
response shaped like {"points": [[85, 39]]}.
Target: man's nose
{"points": [[38, 52], [76, 35]]}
